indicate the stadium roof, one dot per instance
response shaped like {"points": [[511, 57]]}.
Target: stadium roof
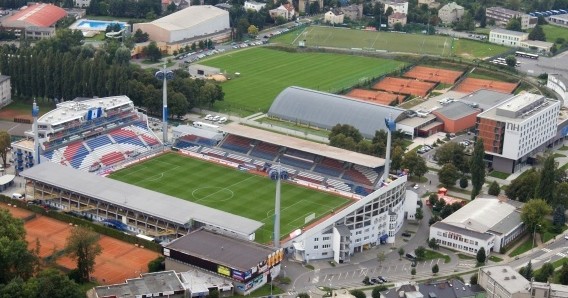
{"points": [[303, 145], [189, 17], [483, 214], [70, 110], [232, 252], [40, 15], [307, 106], [137, 198]]}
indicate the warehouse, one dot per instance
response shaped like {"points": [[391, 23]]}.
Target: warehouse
{"points": [[37, 21], [187, 26]]}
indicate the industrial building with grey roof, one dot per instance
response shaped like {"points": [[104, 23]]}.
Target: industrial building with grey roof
{"points": [[305, 106]]}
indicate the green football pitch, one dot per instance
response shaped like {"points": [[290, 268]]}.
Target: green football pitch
{"points": [[264, 73], [230, 190], [316, 36]]}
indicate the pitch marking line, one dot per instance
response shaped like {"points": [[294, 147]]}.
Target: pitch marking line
{"points": [[157, 176], [225, 188]]}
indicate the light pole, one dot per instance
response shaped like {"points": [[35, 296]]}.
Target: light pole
{"points": [[164, 75], [534, 235]]}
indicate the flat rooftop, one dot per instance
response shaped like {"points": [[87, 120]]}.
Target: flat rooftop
{"points": [[513, 113], [519, 102], [303, 145], [485, 99], [70, 110], [149, 283], [136, 198], [484, 214], [508, 32], [508, 278], [217, 248]]}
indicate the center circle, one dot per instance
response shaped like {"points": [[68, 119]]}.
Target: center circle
{"points": [[212, 194]]}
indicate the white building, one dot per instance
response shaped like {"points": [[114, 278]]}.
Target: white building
{"points": [[5, 91], [333, 17], [559, 84], [373, 220], [194, 21], [502, 16], [450, 13], [505, 282], [490, 223], [82, 3], [397, 6], [507, 37], [285, 10], [252, 5], [560, 19], [517, 129]]}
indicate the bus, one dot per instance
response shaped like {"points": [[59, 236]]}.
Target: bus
{"points": [[526, 55]]}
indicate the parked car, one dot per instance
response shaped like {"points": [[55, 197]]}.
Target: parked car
{"points": [[375, 281], [383, 279], [405, 234]]}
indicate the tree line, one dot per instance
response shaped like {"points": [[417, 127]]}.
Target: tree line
{"points": [[139, 9], [62, 68]]}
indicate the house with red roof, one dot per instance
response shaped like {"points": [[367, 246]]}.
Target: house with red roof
{"points": [[37, 21]]}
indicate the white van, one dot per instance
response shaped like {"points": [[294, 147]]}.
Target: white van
{"points": [[17, 196]]}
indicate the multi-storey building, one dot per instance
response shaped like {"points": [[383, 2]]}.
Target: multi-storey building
{"points": [[502, 16], [506, 282], [252, 5], [450, 13], [397, 6], [5, 91], [507, 37], [517, 129], [397, 17], [333, 17]]}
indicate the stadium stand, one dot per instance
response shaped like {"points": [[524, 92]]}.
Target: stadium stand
{"points": [[357, 177], [339, 185], [237, 144], [296, 162], [265, 150], [309, 177]]}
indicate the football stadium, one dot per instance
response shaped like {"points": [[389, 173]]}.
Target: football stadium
{"points": [[99, 159]]}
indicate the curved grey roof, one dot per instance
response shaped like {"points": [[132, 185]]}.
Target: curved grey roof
{"points": [[326, 110]]}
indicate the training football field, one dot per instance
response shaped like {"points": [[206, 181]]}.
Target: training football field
{"points": [[230, 190], [316, 36]]}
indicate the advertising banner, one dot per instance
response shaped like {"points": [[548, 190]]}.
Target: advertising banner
{"points": [[223, 270]]}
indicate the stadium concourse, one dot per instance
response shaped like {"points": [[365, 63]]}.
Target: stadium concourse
{"points": [[92, 135]]}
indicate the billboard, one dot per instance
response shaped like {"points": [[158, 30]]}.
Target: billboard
{"points": [[223, 270], [94, 113]]}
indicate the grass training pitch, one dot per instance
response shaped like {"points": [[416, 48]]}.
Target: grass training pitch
{"points": [[438, 45], [230, 190], [264, 73]]}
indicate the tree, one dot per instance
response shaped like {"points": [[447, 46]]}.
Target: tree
{"points": [[477, 168], [563, 275], [51, 283], [446, 211], [140, 36], [16, 259], [544, 272], [433, 199], [546, 184], [435, 269], [481, 256], [537, 34], [448, 175], [252, 30], [561, 194], [420, 252], [413, 271], [494, 189], [83, 247], [523, 187], [559, 217], [473, 280], [377, 291], [433, 244], [303, 295], [453, 153], [152, 52], [463, 182], [514, 24], [400, 253], [415, 164], [527, 271], [381, 257], [419, 214], [533, 213], [358, 293], [5, 146], [397, 27], [397, 158], [511, 60]]}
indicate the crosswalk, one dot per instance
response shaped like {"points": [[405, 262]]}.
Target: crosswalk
{"points": [[546, 250], [560, 254]]}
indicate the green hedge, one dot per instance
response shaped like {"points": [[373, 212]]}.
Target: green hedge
{"points": [[84, 222]]}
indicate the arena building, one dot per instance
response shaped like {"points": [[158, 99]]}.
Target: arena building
{"points": [[37, 21], [188, 25]]}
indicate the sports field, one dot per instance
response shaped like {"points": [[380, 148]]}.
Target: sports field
{"points": [[230, 190], [265, 72], [369, 40]]}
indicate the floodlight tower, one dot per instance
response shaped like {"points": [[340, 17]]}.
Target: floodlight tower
{"points": [[277, 174], [391, 126], [165, 75], [35, 114]]}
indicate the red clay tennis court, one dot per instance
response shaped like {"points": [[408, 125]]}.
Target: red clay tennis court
{"points": [[405, 86], [374, 96], [52, 234], [472, 84], [16, 212], [431, 74], [118, 261]]}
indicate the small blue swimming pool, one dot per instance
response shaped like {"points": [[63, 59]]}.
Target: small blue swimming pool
{"points": [[97, 25]]}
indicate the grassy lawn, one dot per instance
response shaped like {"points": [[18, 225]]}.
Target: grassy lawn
{"points": [[559, 155], [563, 148], [551, 234], [553, 32], [495, 259], [368, 40], [524, 247], [564, 167], [477, 49], [109, 18], [264, 73], [265, 291], [431, 255], [465, 257], [98, 37], [499, 175], [229, 190], [24, 107]]}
